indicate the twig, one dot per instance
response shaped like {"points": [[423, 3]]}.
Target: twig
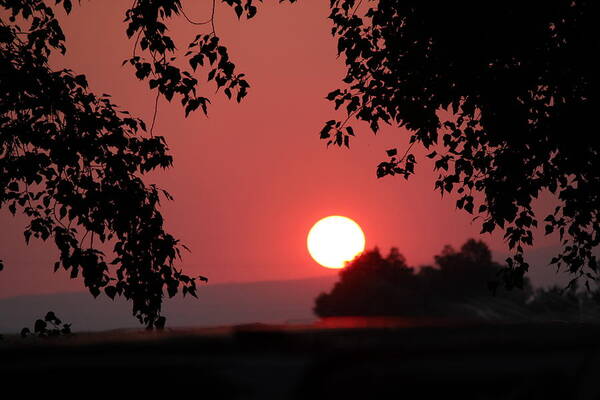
{"points": [[155, 112]]}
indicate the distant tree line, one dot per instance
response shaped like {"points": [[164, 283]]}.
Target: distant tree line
{"points": [[462, 284]]}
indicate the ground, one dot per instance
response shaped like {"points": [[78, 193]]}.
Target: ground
{"points": [[352, 358]]}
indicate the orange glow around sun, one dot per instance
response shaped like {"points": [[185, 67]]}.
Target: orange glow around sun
{"points": [[335, 240]]}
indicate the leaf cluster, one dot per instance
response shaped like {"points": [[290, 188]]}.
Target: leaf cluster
{"points": [[50, 326], [500, 93], [73, 163], [147, 22]]}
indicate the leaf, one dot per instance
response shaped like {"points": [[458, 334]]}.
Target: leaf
{"points": [[469, 207], [40, 326], [251, 11], [325, 132], [50, 317], [110, 291], [160, 323], [238, 10], [211, 74], [81, 80], [488, 226]]}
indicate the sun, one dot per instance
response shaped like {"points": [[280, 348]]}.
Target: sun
{"points": [[335, 240]]}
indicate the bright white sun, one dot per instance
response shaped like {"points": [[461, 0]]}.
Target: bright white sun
{"points": [[335, 240]]}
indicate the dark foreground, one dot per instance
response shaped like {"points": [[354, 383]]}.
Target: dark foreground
{"points": [[544, 361]]}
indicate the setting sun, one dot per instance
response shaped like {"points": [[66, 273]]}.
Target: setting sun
{"points": [[335, 240]]}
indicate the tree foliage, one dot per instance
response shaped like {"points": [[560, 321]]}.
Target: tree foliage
{"points": [[73, 162], [500, 93], [373, 285], [571, 305]]}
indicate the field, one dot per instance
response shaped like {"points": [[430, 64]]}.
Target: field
{"points": [[346, 358]]}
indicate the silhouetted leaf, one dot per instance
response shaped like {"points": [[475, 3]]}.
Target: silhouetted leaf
{"points": [[110, 291], [40, 326], [51, 317]]}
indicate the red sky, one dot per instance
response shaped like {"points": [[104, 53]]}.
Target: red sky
{"points": [[251, 179]]}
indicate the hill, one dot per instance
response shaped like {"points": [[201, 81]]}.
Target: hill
{"points": [[221, 304]]}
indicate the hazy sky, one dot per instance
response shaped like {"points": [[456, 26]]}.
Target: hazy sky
{"points": [[251, 179]]}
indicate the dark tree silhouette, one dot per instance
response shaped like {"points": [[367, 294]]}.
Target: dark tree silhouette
{"points": [[372, 285], [501, 93], [462, 275], [570, 305], [73, 162]]}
